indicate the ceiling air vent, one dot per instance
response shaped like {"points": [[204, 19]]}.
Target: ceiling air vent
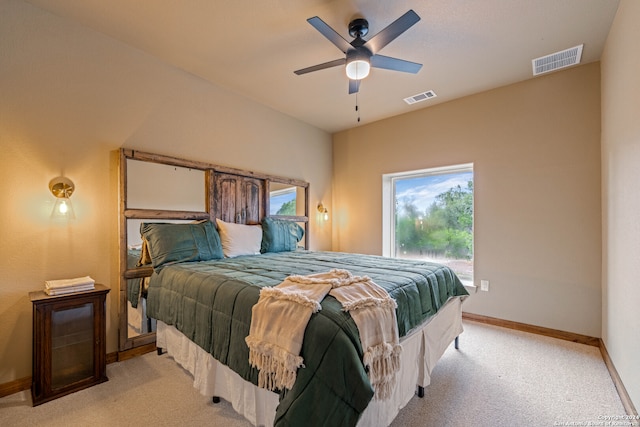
{"points": [[555, 61], [420, 97]]}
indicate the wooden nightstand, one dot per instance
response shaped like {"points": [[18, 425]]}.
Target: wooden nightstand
{"points": [[69, 343]]}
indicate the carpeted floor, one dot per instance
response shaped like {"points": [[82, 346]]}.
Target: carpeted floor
{"points": [[499, 377]]}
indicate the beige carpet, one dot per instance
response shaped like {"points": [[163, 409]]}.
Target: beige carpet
{"points": [[499, 377]]}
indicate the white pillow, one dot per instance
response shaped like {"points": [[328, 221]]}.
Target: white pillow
{"points": [[239, 239]]}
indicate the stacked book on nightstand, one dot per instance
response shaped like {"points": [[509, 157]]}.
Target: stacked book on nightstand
{"points": [[68, 286]]}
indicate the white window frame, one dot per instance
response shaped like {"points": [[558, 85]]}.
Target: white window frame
{"points": [[389, 197]]}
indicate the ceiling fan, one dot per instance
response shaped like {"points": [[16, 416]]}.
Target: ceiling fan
{"points": [[362, 54]]}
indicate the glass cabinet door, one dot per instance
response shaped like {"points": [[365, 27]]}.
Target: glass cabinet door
{"points": [[72, 357]]}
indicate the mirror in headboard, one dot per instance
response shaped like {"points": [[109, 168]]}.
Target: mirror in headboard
{"points": [[289, 200], [156, 188], [152, 189], [165, 187]]}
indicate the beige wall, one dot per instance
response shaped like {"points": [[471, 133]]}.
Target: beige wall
{"points": [[621, 196], [535, 147], [69, 97]]}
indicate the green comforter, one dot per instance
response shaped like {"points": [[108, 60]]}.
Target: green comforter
{"points": [[210, 302], [135, 287]]}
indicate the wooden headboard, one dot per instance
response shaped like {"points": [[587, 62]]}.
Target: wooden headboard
{"points": [[232, 195]]}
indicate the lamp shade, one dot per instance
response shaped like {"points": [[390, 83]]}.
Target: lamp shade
{"points": [[358, 65], [63, 209], [358, 69]]}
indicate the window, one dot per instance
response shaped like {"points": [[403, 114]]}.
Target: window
{"points": [[428, 214]]}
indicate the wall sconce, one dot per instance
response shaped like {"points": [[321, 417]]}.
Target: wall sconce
{"points": [[323, 211], [62, 188]]}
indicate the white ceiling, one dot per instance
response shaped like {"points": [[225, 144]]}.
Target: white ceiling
{"points": [[252, 47]]}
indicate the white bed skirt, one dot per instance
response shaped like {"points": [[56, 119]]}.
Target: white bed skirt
{"points": [[421, 349]]}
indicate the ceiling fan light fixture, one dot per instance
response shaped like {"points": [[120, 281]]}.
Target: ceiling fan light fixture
{"points": [[358, 69], [358, 63]]}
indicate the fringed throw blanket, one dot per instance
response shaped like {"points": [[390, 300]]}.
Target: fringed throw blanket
{"points": [[374, 313], [280, 317], [278, 321]]}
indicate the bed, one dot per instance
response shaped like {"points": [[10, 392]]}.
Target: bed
{"points": [[204, 283], [202, 297]]}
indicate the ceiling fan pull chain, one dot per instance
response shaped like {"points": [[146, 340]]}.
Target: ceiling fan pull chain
{"points": [[357, 110]]}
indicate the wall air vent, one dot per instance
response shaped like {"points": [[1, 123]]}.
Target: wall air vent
{"points": [[420, 97], [555, 61]]}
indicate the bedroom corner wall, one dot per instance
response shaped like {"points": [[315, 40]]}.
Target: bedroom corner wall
{"points": [[69, 98], [621, 197], [535, 147]]}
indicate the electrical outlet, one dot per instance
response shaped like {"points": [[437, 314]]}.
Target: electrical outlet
{"points": [[484, 285]]}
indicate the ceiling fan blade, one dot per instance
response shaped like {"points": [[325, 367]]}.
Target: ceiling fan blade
{"points": [[392, 31], [329, 64], [330, 34], [354, 86], [395, 64]]}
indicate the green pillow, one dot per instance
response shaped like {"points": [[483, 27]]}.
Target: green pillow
{"points": [[172, 243], [279, 235]]}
